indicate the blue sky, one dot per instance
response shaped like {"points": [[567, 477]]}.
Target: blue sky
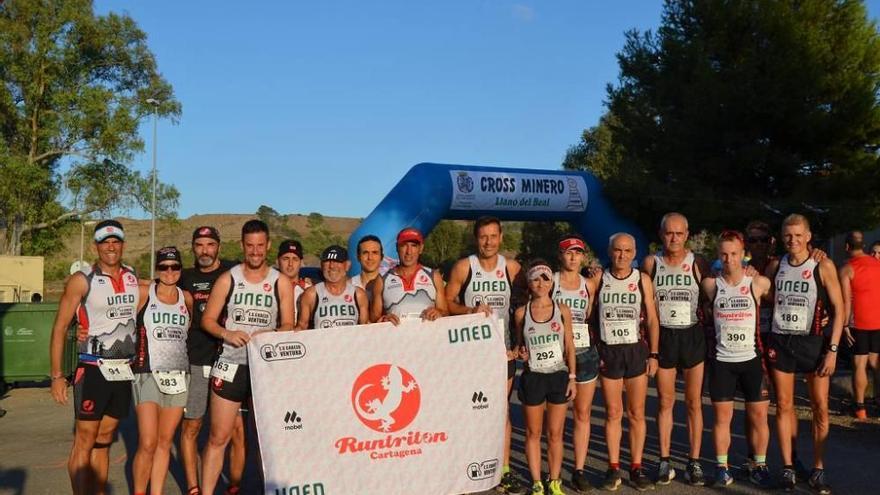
{"points": [[323, 106]]}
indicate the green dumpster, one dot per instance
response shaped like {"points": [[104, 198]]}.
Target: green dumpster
{"points": [[24, 344]]}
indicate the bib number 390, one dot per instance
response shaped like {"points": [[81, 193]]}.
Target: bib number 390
{"points": [[224, 371], [170, 382], [116, 370]]}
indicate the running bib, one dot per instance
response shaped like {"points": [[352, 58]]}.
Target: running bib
{"points": [[581, 335], [736, 337], [224, 371], [620, 332], [116, 370], [792, 319], [675, 313], [544, 356], [170, 382]]}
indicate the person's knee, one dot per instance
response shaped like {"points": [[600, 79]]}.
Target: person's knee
{"points": [[784, 404], [694, 405], [534, 434], [582, 414], [190, 429], [636, 412], [147, 444], [554, 435], [667, 401], [614, 413], [164, 443], [219, 438]]}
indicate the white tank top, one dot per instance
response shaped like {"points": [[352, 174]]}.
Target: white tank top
{"points": [[490, 287], [676, 292], [409, 300], [250, 307], [109, 312], [578, 301], [162, 332], [545, 341], [797, 297], [335, 311], [620, 308], [735, 312]]}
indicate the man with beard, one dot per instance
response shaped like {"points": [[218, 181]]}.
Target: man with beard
{"points": [[255, 298], [335, 302], [202, 350]]}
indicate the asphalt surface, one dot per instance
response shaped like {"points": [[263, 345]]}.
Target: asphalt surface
{"points": [[35, 437]]}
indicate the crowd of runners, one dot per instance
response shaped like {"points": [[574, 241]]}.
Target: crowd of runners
{"points": [[175, 346]]}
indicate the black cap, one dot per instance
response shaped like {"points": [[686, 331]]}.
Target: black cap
{"points": [[335, 253], [290, 246], [206, 231], [106, 229], [168, 253]]}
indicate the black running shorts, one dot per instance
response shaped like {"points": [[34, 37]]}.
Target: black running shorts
{"points": [[795, 353], [867, 341], [537, 388], [94, 397], [748, 376], [682, 348], [238, 390], [623, 360]]}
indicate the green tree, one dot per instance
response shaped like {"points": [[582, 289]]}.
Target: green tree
{"points": [[278, 223], [448, 241], [319, 236], [734, 109], [75, 89]]}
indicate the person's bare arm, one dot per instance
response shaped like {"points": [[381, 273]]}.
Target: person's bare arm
{"points": [[286, 304], [439, 309], [77, 287], [363, 305], [518, 320], [845, 276], [833, 288], [188, 302], [456, 278], [307, 302], [377, 306], [647, 266], [570, 362], [770, 273], [652, 321]]}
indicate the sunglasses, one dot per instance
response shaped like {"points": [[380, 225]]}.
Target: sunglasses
{"points": [[164, 268], [762, 238]]}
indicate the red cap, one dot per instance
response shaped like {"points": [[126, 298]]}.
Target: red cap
{"points": [[572, 243], [410, 234]]}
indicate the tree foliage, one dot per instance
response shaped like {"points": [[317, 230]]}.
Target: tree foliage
{"points": [[74, 91], [744, 109]]}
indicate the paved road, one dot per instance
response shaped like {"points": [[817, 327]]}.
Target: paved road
{"points": [[35, 438]]}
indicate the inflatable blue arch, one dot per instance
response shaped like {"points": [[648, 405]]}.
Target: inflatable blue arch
{"points": [[431, 192]]}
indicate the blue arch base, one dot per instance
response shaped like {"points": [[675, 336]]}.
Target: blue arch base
{"points": [[430, 192]]}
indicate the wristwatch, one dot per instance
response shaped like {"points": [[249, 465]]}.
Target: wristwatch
{"points": [[832, 347], [654, 355]]}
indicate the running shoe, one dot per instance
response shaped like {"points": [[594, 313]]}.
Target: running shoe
{"points": [[612, 480], [194, 491], [817, 482], [722, 476], [640, 480], [861, 414], [789, 479], [537, 487], [555, 487], [760, 476], [666, 473], [233, 490], [510, 484], [693, 473], [580, 481]]}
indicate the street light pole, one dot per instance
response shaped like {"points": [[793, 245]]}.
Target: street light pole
{"points": [[155, 103]]}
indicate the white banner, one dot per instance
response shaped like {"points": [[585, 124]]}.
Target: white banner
{"points": [[473, 190], [378, 409]]}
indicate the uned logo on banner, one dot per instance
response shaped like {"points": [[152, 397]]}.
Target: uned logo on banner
{"points": [[386, 398]]}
